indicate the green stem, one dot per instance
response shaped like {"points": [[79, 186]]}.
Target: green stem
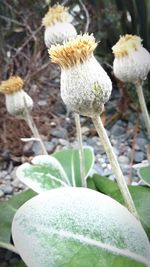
{"points": [[143, 107], [33, 128], [9, 247], [114, 164], [81, 151]]}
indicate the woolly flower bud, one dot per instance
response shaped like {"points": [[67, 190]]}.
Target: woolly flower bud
{"points": [[132, 60], [57, 28], [85, 86], [16, 99]]}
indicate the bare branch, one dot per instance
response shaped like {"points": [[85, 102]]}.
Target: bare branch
{"points": [[87, 16]]}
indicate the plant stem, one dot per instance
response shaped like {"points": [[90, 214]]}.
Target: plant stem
{"points": [[81, 151], [34, 130], [9, 247], [143, 107], [114, 164]]}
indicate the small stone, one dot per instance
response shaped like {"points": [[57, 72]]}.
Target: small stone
{"points": [[8, 177], [7, 189], [114, 142], [59, 132], [85, 130], [64, 142], [112, 177], [123, 159], [141, 142], [49, 146], [99, 169], [134, 183], [3, 174], [117, 130], [104, 165], [1, 193], [18, 184], [42, 103], [107, 172], [139, 156]]}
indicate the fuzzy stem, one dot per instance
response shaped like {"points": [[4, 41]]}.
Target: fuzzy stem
{"points": [[9, 247], [33, 128], [81, 151], [114, 164], [143, 107]]}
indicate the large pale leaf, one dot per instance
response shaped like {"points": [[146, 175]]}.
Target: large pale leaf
{"points": [[78, 227], [69, 159], [144, 174], [44, 173], [7, 211], [140, 195]]}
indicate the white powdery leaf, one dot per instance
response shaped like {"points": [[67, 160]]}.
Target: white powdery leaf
{"points": [[51, 228], [54, 163]]}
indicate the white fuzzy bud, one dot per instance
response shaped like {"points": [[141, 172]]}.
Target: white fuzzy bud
{"points": [[58, 33], [132, 60], [85, 88], [17, 102]]}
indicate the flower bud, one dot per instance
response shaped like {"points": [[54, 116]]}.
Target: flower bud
{"points": [[132, 60], [57, 28], [85, 86], [16, 99]]}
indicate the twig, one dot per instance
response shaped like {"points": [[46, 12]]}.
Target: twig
{"points": [[114, 164], [12, 20], [135, 130], [32, 126], [64, 2], [87, 16], [81, 150], [143, 107], [28, 40]]}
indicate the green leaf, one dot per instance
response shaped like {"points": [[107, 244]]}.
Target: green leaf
{"points": [[69, 159], [18, 264], [44, 173], [144, 174], [72, 226], [7, 211], [140, 195]]}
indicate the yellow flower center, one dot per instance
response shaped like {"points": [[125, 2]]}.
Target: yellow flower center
{"points": [[74, 51], [126, 45], [57, 13], [13, 84]]}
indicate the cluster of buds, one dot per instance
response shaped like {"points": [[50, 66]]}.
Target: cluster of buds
{"points": [[57, 27], [17, 100]]}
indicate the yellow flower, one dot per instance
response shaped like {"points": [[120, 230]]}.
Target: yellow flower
{"points": [[57, 13], [132, 60], [126, 45], [57, 27], [85, 86], [16, 99], [12, 85]]}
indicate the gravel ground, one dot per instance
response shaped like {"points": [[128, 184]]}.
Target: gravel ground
{"points": [[129, 143]]}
